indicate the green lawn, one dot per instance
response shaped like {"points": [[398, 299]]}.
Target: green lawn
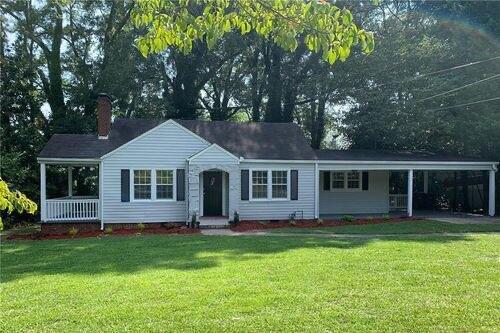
{"points": [[409, 227], [252, 283]]}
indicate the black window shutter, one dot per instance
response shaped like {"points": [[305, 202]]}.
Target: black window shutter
{"points": [[244, 184], [365, 181], [125, 185], [326, 180], [294, 183], [181, 184]]}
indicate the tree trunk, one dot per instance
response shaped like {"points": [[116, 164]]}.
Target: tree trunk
{"points": [[274, 86], [319, 127]]}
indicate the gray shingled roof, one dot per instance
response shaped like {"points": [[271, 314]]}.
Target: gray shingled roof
{"points": [[387, 155], [249, 140], [269, 141], [255, 140]]}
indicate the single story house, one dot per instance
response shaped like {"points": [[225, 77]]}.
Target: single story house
{"points": [[167, 171]]}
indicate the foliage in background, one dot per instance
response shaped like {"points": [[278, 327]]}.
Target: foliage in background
{"points": [[323, 27], [11, 201]]}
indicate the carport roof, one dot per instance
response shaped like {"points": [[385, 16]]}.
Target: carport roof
{"points": [[387, 155]]}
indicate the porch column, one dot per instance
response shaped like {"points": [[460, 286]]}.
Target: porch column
{"points": [[70, 181], [491, 196], [409, 208], [43, 193]]}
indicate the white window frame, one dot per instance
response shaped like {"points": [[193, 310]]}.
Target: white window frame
{"points": [[269, 185], [338, 189], [270, 190], [174, 182], [360, 180], [153, 185], [345, 188]]}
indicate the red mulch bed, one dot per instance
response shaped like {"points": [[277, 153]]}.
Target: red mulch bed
{"points": [[260, 225], [99, 234]]}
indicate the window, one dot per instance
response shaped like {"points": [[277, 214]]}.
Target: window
{"points": [[346, 181], [259, 184], [164, 184], [354, 180], [279, 184], [337, 180], [142, 184]]}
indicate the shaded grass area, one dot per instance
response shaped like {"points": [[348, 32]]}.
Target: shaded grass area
{"points": [[407, 227], [24, 229], [251, 283]]}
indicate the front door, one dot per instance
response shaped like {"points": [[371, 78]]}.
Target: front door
{"points": [[212, 193]]}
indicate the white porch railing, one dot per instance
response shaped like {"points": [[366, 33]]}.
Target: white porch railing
{"points": [[72, 209], [398, 201]]}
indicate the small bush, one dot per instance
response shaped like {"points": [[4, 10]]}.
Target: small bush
{"points": [[193, 221], [320, 221], [386, 217], [236, 218], [72, 232], [348, 218], [141, 227], [108, 230]]}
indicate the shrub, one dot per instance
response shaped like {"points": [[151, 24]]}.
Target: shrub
{"points": [[386, 217], [108, 230], [319, 221], [72, 232], [236, 218], [348, 218], [141, 227], [193, 220]]}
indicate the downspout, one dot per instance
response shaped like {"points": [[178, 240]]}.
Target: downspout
{"points": [[101, 194]]}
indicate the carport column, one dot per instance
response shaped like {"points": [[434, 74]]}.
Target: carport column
{"points": [[491, 196], [70, 181], [43, 193], [426, 182], [409, 208], [316, 191]]}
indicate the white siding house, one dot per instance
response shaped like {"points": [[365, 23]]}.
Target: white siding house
{"points": [[170, 171]]}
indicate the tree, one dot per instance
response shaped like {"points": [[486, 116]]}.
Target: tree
{"points": [[14, 201], [325, 28]]}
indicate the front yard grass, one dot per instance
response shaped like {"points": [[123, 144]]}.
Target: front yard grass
{"points": [[407, 227], [251, 283]]}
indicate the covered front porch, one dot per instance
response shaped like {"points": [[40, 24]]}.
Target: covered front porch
{"points": [[70, 191]]}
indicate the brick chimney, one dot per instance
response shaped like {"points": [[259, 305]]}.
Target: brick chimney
{"points": [[103, 116]]}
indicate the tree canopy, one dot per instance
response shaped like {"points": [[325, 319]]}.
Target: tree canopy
{"points": [[322, 26]]}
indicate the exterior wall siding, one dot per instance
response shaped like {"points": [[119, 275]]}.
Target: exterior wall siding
{"points": [[277, 210], [374, 200], [167, 147]]}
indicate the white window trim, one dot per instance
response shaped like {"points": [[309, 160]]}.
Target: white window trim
{"points": [[174, 185], [345, 188], [269, 185], [153, 185]]}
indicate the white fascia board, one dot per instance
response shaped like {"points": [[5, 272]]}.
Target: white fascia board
{"points": [[55, 160], [170, 121], [404, 165], [250, 160], [216, 146]]}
